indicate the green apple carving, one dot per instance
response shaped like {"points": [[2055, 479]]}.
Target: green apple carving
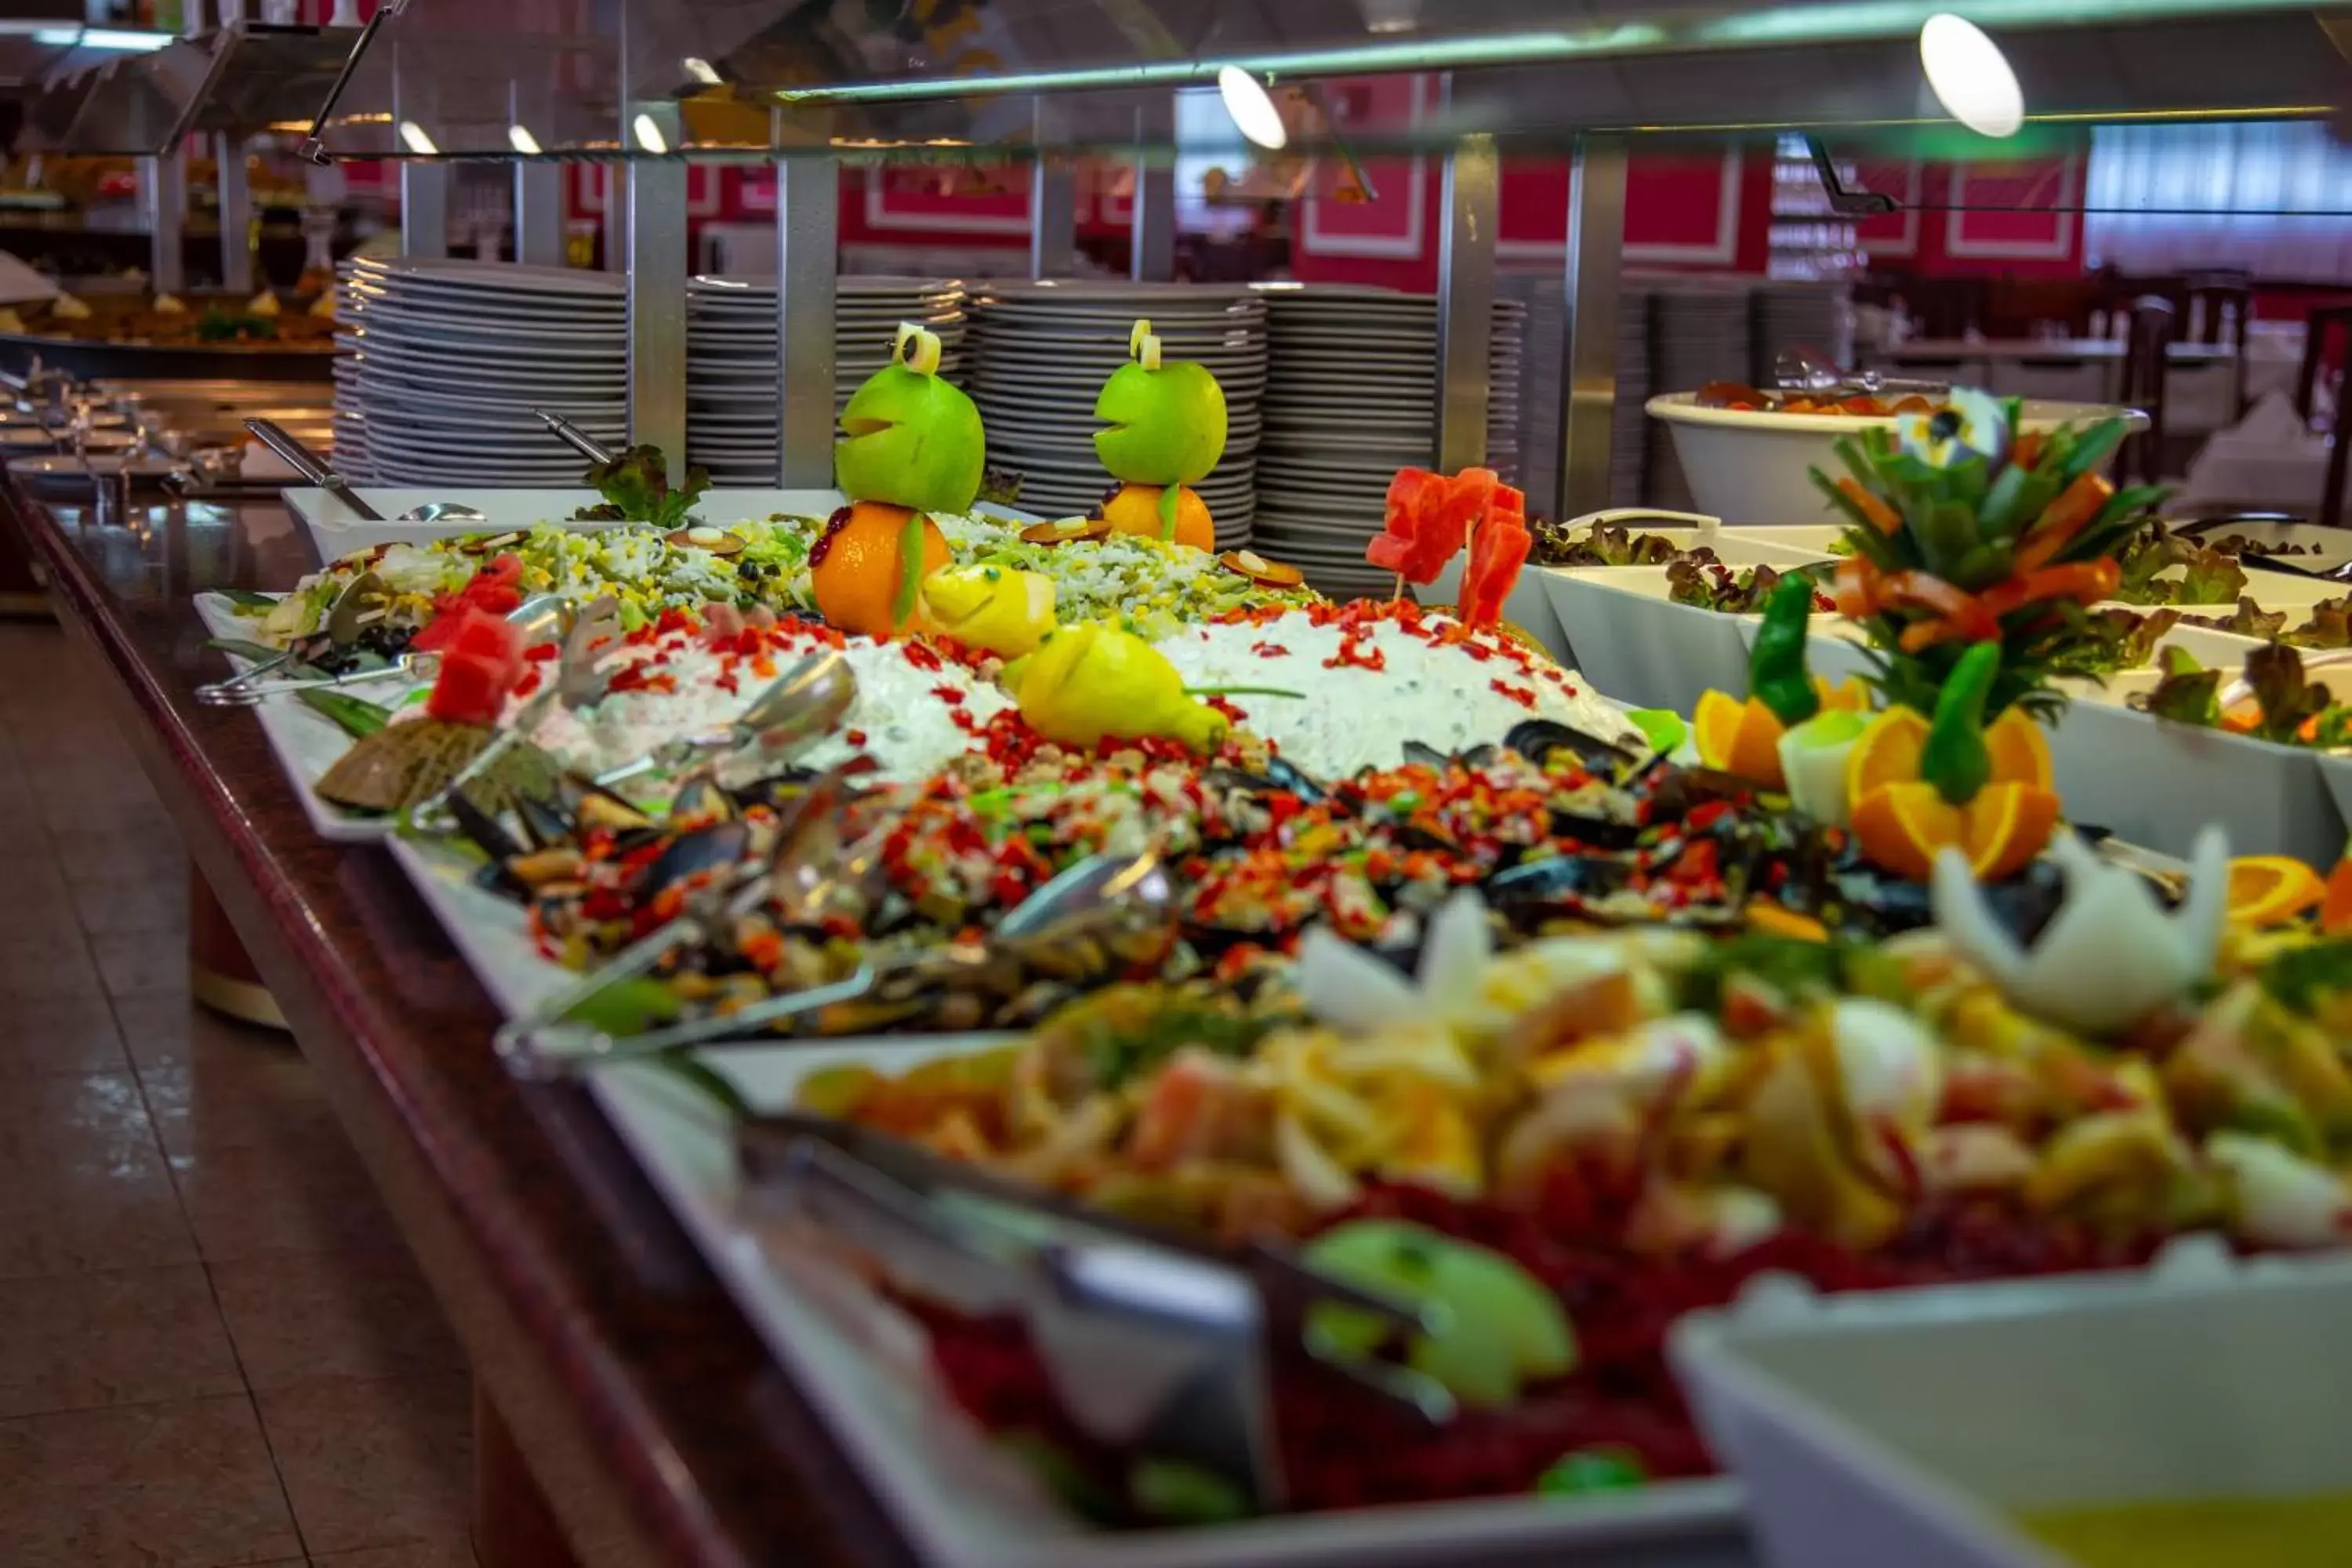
{"points": [[1492, 1327], [910, 438], [1166, 420]]}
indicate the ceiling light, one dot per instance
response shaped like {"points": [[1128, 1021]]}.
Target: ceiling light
{"points": [[1255, 115], [413, 134], [520, 138], [1969, 76], [701, 70], [100, 38], [649, 136]]}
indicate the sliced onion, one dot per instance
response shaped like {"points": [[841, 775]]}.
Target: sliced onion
{"points": [[917, 348], [1142, 346]]}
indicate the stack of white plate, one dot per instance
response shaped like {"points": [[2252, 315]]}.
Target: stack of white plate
{"points": [[1038, 353], [446, 359], [1353, 398], [730, 338], [1698, 333]]}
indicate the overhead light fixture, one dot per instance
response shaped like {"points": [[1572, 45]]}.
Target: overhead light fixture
{"points": [[701, 70], [649, 136], [118, 38], [1969, 76], [413, 135], [520, 138], [1255, 115]]}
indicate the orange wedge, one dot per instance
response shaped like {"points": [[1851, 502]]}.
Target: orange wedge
{"points": [[2336, 911], [2020, 753], [1888, 753], [2008, 823], [2271, 890], [1848, 696], [1901, 826], [1742, 739]]}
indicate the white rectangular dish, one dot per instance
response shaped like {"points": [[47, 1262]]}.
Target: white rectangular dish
{"points": [[1908, 1428], [2158, 783], [1634, 644], [964, 1503], [305, 741]]}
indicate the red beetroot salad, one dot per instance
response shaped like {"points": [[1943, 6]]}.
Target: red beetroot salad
{"points": [[1344, 1446]]}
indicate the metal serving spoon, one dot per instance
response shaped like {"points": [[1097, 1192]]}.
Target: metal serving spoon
{"points": [[799, 706], [311, 466]]}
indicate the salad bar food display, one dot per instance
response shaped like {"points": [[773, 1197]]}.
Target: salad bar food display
{"points": [[1357, 948]]}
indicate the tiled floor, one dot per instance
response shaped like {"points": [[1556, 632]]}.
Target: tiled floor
{"points": [[214, 1349]]}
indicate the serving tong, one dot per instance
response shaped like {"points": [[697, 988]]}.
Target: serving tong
{"points": [[1803, 370], [1156, 1344], [342, 624], [1100, 894]]}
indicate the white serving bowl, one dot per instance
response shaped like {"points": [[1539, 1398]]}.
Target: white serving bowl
{"points": [[1750, 469]]}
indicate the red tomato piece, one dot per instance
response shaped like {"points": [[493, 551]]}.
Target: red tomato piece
{"points": [[1410, 542], [1498, 550]]}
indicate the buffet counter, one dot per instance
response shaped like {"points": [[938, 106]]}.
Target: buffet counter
{"points": [[654, 1424]]}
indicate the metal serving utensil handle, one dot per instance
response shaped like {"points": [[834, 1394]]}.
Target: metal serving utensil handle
{"points": [[573, 436], [307, 464]]}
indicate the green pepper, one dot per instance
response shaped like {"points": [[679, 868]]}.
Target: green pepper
{"points": [[1776, 676], [1954, 757]]}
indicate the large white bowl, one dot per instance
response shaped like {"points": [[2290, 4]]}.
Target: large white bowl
{"points": [[1749, 468]]}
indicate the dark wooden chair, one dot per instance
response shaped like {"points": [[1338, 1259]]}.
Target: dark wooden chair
{"points": [[2148, 337], [2322, 356]]}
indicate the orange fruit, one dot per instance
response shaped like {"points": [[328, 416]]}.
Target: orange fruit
{"points": [[2020, 753], [2007, 825], [1135, 509], [1901, 826], [1888, 753], [1848, 696], [2271, 890], [1742, 739], [858, 571]]}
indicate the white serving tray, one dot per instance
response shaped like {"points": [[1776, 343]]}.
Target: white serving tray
{"points": [[2158, 783], [1874, 1430], [305, 741], [1633, 643], [967, 1506]]}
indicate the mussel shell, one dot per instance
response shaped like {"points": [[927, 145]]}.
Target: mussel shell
{"points": [[544, 823], [1556, 880], [1425, 754], [1600, 832], [711, 849], [591, 805], [699, 798], [1279, 776], [1537, 739], [486, 831]]}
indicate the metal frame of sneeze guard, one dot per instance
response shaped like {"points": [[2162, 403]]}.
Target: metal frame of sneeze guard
{"points": [[1519, 76]]}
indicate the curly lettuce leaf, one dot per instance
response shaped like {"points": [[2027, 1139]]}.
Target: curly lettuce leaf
{"points": [[2188, 694]]}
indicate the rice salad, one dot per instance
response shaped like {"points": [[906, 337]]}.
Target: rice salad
{"points": [[637, 563], [1157, 585]]}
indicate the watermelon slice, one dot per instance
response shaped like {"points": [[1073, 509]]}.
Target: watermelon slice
{"points": [[496, 588], [1498, 549], [481, 664], [1410, 541]]}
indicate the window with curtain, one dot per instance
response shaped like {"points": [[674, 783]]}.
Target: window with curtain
{"points": [[2274, 199]]}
